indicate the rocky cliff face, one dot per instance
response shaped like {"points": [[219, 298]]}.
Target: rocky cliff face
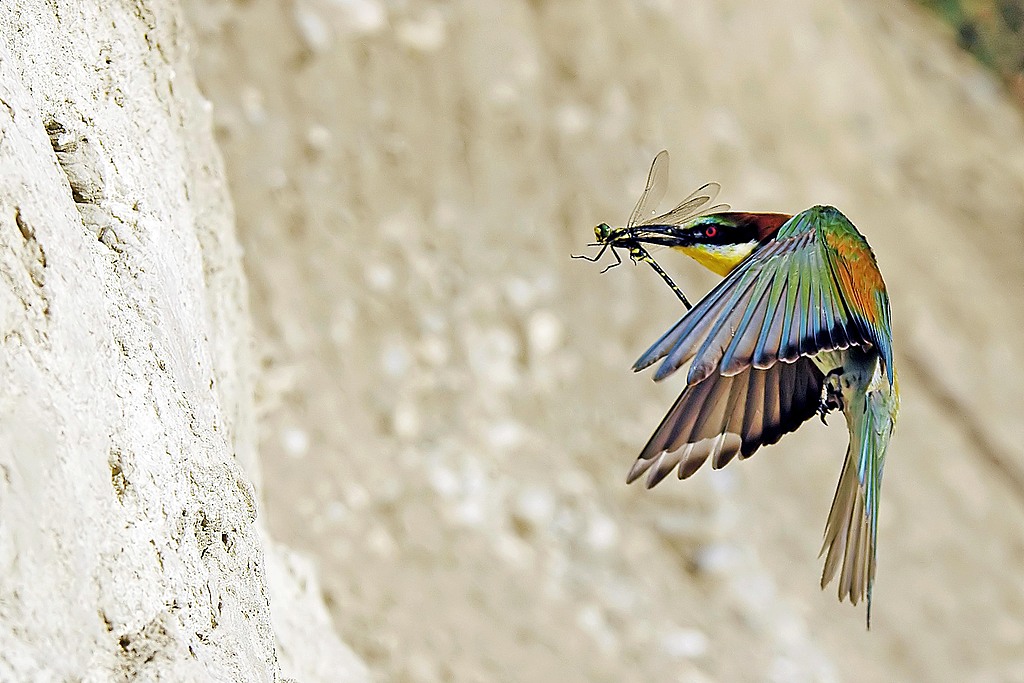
{"points": [[129, 542], [448, 409]]}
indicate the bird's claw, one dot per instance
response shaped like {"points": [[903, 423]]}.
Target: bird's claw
{"points": [[831, 395], [827, 405]]}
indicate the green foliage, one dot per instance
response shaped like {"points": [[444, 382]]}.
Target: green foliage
{"points": [[991, 30]]}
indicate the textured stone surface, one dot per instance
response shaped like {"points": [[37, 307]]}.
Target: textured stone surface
{"points": [[129, 548]]}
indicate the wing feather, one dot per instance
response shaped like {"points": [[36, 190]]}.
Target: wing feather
{"points": [[689, 326], [753, 413], [733, 424], [772, 410], [823, 326], [741, 348], [771, 328], [724, 331], [789, 344], [704, 329], [767, 351], [806, 341], [723, 417], [794, 297]]}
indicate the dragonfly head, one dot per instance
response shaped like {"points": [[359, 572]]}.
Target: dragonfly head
{"points": [[602, 232]]}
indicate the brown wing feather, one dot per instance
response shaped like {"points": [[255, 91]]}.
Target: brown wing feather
{"points": [[727, 416]]}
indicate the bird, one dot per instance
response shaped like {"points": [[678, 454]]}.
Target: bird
{"points": [[799, 326]]}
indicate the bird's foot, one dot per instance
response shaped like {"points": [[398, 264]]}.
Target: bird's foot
{"points": [[827, 405], [831, 395]]}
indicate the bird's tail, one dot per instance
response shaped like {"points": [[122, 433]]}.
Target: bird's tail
{"points": [[852, 527]]}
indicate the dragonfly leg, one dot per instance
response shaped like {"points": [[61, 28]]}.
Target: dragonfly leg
{"points": [[592, 259], [618, 259]]}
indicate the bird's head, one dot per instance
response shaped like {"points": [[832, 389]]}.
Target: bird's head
{"points": [[718, 241]]}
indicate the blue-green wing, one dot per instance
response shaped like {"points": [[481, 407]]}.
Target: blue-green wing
{"points": [[801, 294]]}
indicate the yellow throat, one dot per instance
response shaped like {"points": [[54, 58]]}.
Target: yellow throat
{"points": [[719, 258]]}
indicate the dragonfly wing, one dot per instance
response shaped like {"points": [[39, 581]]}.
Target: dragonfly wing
{"points": [[654, 192], [690, 207]]}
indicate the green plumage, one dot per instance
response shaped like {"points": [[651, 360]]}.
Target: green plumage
{"points": [[804, 317]]}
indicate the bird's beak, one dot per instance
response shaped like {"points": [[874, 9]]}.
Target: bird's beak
{"points": [[663, 235]]}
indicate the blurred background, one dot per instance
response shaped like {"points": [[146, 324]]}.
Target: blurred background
{"points": [[447, 408]]}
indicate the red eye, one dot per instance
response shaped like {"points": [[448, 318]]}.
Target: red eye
{"points": [[711, 231]]}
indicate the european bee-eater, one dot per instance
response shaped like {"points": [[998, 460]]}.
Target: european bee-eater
{"points": [[800, 325]]}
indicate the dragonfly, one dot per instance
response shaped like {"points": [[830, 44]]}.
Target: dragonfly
{"points": [[645, 225]]}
